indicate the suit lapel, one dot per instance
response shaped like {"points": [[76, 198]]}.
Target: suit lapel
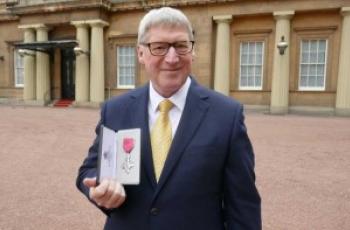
{"points": [[138, 111], [193, 114]]}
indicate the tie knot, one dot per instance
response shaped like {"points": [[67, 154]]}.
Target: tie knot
{"points": [[165, 105]]}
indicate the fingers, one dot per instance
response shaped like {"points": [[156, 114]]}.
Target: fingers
{"points": [[100, 191], [90, 182], [116, 195], [108, 194]]}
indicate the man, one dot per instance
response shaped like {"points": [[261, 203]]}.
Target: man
{"points": [[205, 179]]}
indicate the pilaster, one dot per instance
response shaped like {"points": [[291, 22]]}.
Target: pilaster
{"points": [[29, 90], [97, 71], [43, 93], [82, 67], [342, 106], [281, 63], [222, 54]]}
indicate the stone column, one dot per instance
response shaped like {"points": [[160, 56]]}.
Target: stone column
{"points": [[222, 54], [29, 92], [82, 65], [43, 94], [97, 71], [280, 72], [342, 106]]}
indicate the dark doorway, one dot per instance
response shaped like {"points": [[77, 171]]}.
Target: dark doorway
{"points": [[68, 73]]}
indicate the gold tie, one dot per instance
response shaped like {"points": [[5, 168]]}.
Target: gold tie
{"points": [[161, 137]]}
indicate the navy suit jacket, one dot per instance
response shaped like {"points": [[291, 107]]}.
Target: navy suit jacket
{"points": [[208, 180]]}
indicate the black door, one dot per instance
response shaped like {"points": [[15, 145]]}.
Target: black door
{"points": [[68, 73]]}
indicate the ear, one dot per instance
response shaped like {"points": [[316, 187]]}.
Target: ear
{"points": [[140, 54]]}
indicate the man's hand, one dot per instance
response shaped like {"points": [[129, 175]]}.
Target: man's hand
{"points": [[109, 194]]}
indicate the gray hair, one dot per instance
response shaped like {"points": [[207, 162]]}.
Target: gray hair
{"points": [[165, 16]]}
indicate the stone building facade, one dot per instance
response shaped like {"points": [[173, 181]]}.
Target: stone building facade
{"points": [[276, 55]]}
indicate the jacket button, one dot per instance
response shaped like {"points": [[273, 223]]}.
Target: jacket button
{"points": [[154, 211]]}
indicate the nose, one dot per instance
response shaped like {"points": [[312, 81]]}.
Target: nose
{"points": [[171, 57]]}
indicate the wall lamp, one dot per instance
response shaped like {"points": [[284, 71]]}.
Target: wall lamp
{"points": [[23, 53], [78, 51], [282, 45], [2, 58]]}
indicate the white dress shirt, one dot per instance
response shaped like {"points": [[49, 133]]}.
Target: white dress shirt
{"points": [[178, 99]]}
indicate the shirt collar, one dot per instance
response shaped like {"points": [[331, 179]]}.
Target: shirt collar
{"points": [[178, 98]]}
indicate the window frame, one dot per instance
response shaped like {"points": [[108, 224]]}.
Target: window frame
{"points": [[118, 85], [315, 33], [309, 88], [253, 88], [244, 35], [15, 68]]}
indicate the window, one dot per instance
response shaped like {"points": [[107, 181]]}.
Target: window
{"points": [[18, 69], [251, 65], [312, 71], [126, 67]]}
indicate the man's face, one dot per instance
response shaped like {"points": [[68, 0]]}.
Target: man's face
{"points": [[169, 72]]}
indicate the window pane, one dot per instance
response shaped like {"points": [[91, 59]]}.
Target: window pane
{"points": [[244, 81], [258, 70], [312, 81], [244, 59], [251, 47], [304, 70], [305, 46], [322, 46], [244, 47], [320, 81], [259, 59], [251, 59], [244, 71], [259, 47], [251, 70], [313, 57], [258, 81], [320, 70], [321, 57], [250, 81], [121, 60], [305, 57], [303, 81], [313, 45], [312, 70]]}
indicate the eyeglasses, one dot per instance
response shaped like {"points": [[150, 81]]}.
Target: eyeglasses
{"points": [[162, 48]]}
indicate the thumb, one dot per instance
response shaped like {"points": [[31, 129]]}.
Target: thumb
{"points": [[90, 182]]}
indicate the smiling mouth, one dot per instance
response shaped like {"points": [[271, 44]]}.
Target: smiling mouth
{"points": [[171, 70]]}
